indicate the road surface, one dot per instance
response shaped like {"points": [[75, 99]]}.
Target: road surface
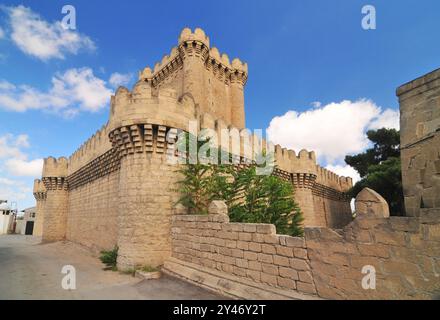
{"points": [[31, 270]]}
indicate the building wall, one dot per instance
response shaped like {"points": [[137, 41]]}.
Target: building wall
{"points": [[251, 251], [146, 198], [5, 222], [92, 218], [420, 142], [403, 250], [116, 188]]}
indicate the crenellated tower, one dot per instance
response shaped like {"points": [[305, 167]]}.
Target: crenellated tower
{"points": [[56, 203], [40, 194], [119, 187], [195, 68]]}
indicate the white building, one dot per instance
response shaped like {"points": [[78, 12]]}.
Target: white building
{"points": [[7, 219]]}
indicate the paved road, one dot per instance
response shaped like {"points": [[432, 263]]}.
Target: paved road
{"points": [[30, 270]]}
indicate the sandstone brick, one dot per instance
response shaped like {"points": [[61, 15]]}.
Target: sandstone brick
{"points": [[256, 247], [269, 279], [254, 275], [295, 242], [225, 251], [242, 263], [269, 268], [305, 276], [239, 271], [267, 258], [284, 251], [238, 227], [299, 264], [269, 249], [245, 236], [237, 253], [300, 253], [227, 268], [281, 261], [250, 255], [249, 228], [286, 283], [273, 239], [305, 287], [266, 229], [231, 244], [255, 265], [243, 245], [258, 237], [288, 273]]}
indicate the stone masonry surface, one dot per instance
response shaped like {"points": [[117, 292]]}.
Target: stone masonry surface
{"points": [[118, 187]]}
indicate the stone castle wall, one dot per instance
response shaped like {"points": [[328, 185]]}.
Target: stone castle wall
{"points": [[403, 252], [242, 260], [420, 142], [118, 187], [92, 218]]}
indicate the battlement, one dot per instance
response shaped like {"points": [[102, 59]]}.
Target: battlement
{"points": [[187, 38], [39, 187], [145, 105], [419, 85], [55, 167], [95, 146], [193, 67], [332, 180], [197, 35], [286, 159]]}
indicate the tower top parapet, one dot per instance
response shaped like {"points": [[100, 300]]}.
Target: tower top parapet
{"points": [[186, 37], [55, 167], [197, 35]]}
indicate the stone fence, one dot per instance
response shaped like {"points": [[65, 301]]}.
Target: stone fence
{"points": [[374, 257]]}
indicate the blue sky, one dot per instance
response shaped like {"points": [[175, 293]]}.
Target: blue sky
{"points": [[312, 68]]}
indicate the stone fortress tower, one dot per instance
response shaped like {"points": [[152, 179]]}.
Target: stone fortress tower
{"points": [[118, 188]]}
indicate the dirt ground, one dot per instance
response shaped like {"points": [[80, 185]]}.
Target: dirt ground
{"points": [[31, 270]]}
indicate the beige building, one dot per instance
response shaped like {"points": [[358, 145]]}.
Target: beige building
{"points": [[25, 224], [118, 187]]}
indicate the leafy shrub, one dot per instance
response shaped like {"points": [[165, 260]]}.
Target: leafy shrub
{"points": [[250, 197], [109, 258]]}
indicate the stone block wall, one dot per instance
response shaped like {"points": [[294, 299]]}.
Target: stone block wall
{"points": [[404, 251], [146, 198], [92, 218], [420, 142], [252, 251]]}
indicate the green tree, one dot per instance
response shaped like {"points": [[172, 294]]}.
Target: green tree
{"points": [[386, 179], [380, 168], [250, 197], [386, 143]]}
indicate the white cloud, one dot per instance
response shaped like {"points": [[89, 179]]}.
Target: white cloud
{"points": [[14, 190], [316, 104], [388, 119], [14, 159], [119, 79], [17, 171], [41, 39], [23, 168], [5, 85], [2, 33], [345, 171], [73, 91], [333, 130], [10, 147]]}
